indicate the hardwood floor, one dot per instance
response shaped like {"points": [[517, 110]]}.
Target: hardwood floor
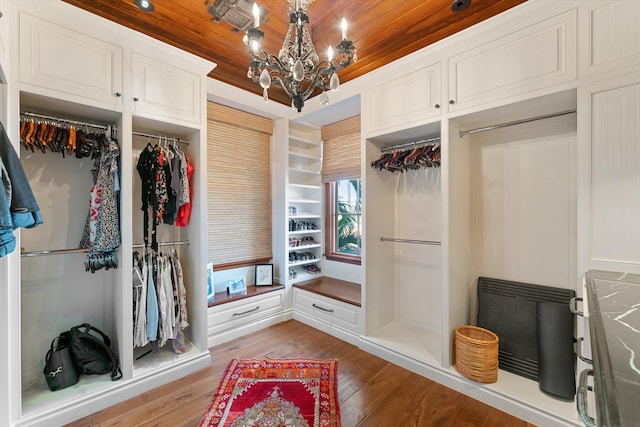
{"points": [[372, 391]]}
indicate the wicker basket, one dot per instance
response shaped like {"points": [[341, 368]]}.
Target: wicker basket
{"points": [[477, 354]]}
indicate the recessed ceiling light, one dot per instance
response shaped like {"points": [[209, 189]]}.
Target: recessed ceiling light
{"points": [[145, 5], [459, 5]]}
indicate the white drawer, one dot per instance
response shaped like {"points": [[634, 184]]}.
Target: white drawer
{"points": [[326, 309], [237, 313]]}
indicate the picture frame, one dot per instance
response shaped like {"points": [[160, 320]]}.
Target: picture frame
{"points": [[210, 285], [237, 286], [264, 274]]}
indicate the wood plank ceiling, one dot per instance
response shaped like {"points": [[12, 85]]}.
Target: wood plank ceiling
{"points": [[382, 30]]}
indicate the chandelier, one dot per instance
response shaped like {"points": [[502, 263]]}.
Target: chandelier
{"points": [[297, 67]]}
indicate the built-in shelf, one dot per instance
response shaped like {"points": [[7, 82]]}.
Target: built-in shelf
{"points": [[305, 171], [303, 247], [304, 215], [303, 156], [305, 231], [299, 263], [341, 290], [305, 186], [224, 297], [304, 201], [296, 140]]}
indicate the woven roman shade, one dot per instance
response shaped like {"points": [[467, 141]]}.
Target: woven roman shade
{"points": [[238, 187], [341, 150]]}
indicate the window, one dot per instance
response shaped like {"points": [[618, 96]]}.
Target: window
{"points": [[238, 188], [343, 220], [343, 190]]}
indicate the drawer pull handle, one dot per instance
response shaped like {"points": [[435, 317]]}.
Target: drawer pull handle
{"points": [[573, 306], [579, 352], [246, 312], [328, 310], [581, 401]]}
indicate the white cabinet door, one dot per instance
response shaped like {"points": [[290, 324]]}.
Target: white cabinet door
{"points": [[55, 57], [613, 35], [161, 89], [612, 189], [515, 67], [405, 102]]}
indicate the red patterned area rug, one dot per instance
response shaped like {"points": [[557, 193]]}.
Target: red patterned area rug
{"points": [[276, 392]]}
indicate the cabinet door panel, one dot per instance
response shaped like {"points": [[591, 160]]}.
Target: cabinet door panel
{"points": [[615, 175], [615, 35], [55, 57], [534, 58], [162, 89], [404, 102]]}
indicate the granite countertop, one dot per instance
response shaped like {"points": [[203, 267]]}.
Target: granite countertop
{"points": [[614, 323]]}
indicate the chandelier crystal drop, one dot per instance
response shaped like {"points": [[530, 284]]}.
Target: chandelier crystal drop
{"points": [[297, 68]]}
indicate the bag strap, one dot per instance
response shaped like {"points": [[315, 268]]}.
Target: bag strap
{"points": [[88, 327]]}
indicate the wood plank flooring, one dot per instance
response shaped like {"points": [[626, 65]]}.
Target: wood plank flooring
{"points": [[372, 391]]}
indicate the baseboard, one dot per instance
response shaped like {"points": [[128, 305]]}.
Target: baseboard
{"points": [[87, 405], [482, 392]]}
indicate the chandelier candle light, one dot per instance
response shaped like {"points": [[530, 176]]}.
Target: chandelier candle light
{"points": [[297, 67]]}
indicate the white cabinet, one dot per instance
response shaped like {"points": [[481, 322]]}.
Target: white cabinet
{"points": [[406, 101], [610, 177], [304, 206], [161, 89], [80, 65], [233, 319], [328, 312], [611, 31], [73, 70], [518, 66]]}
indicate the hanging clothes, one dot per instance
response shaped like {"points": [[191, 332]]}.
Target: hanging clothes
{"points": [[102, 228], [186, 198], [160, 309], [18, 206]]}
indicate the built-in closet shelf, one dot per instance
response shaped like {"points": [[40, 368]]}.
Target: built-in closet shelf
{"points": [[302, 142], [299, 263], [305, 186], [148, 363], [306, 171], [304, 231], [304, 201], [303, 156], [515, 387], [303, 247], [304, 216], [409, 339], [341, 290], [220, 298]]}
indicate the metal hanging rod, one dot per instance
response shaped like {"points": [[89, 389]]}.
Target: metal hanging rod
{"points": [[68, 121], [420, 242], [177, 243], [54, 252], [515, 122], [410, 144], [159, 137]]}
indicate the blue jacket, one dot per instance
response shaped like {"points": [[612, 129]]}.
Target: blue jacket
{"points": [[18, 206]]}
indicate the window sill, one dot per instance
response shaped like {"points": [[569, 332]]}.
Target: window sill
{"points": [[344, 258]]}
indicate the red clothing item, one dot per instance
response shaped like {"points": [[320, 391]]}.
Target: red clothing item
{"points": [[184, 212]]}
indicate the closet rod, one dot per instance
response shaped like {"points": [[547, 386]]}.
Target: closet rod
{"points": [[177, 243], [54, 252], [58, 119], [386, 150], [515, 122], [420, 242], [170, 138]]}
